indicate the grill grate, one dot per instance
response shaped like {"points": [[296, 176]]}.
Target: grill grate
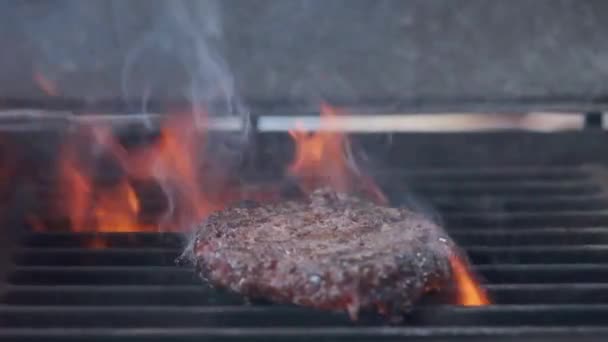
{"points": [[539, 238]]}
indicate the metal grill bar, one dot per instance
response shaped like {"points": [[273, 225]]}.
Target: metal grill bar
{"points": [[582, 333]]}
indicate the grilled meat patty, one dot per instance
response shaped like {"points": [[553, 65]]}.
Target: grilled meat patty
{"points": [[329, 251]]}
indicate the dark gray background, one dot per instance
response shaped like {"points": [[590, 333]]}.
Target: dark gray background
{"points": [[285, 56]]}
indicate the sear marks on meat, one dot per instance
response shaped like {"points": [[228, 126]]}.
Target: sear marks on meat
{"points": [[331, 251]]}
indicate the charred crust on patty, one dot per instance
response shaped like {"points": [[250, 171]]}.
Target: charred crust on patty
{"points": [[329, 251]]}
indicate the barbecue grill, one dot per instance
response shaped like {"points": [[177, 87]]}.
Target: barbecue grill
{"points": [[535, 234], [530, 209]]}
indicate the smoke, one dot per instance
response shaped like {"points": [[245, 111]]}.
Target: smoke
{"points": [[185, 39]]}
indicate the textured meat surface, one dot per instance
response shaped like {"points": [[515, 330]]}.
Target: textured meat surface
{"points": [[330, 251]]}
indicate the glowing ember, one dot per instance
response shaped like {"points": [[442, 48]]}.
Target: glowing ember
{"points": [[469, 293], [324, 158]]}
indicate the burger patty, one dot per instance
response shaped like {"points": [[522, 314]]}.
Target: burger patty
{"points": [[329, 251]]}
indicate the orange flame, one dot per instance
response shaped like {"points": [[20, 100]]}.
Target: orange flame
{"points": [[89, 207], [323, 158], [469, 293], [77, 189], [178, 153], [172, 162], [319, 157]]}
